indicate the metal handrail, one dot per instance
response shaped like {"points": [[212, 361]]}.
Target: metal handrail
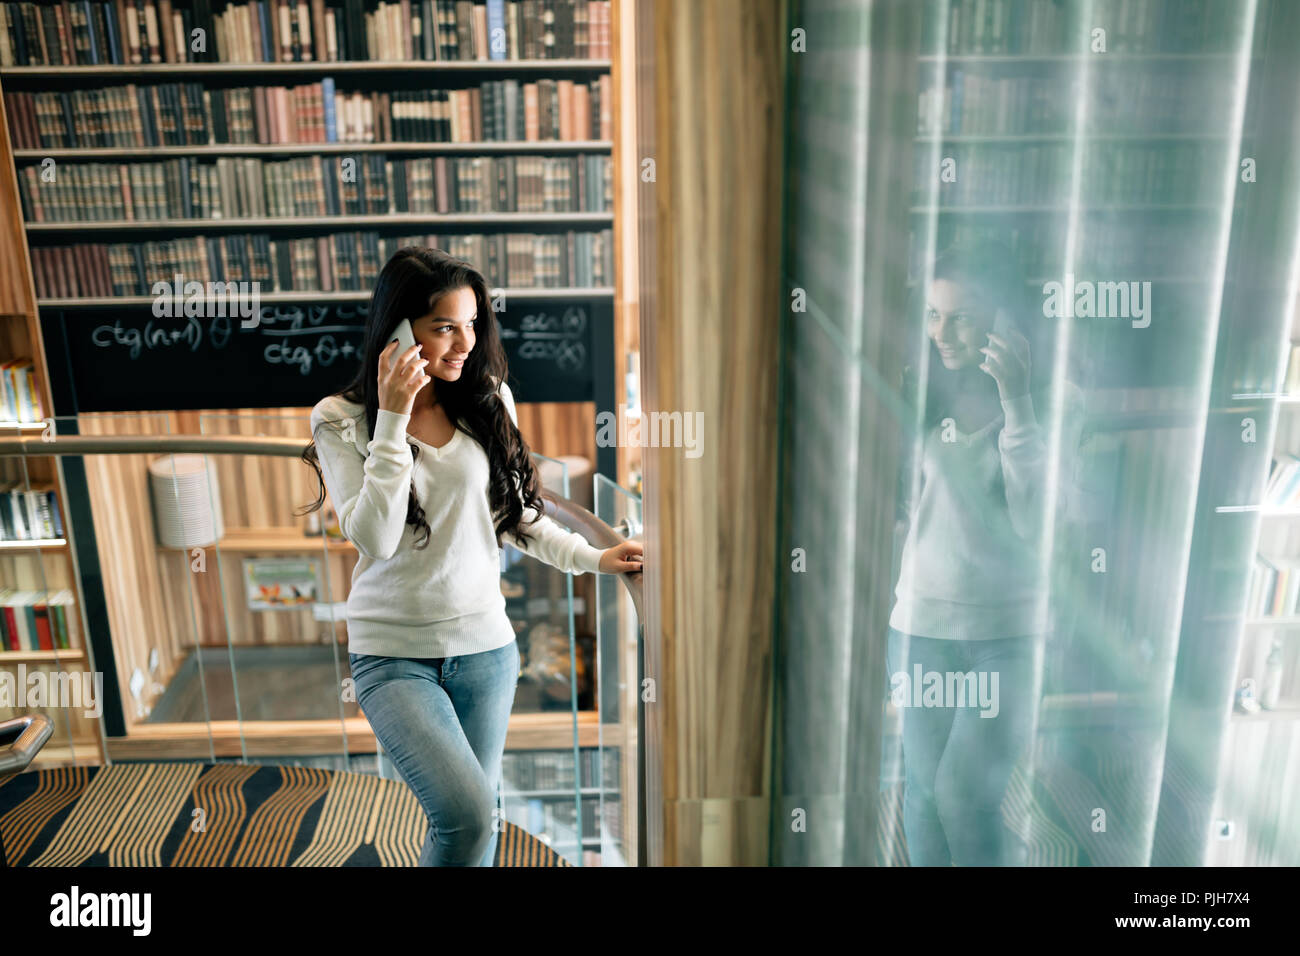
{"points": [[20, 740], [568, 513]]}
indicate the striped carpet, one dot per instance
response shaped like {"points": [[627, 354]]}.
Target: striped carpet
{"points": [[192, 814]]}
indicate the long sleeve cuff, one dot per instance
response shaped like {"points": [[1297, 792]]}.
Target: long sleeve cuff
{"points": [[587, 557], [390, 428], [1019, 414]]}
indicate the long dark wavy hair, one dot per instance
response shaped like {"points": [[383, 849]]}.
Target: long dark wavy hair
{"points": [[409, 287], [991, 269]]}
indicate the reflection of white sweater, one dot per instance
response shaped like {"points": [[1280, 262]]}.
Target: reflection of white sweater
{"points": [[444, 600], [973, 565]]}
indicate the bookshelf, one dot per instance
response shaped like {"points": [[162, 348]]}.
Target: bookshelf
{"points": [[1268, 668], [236, 170], [36, 568]]}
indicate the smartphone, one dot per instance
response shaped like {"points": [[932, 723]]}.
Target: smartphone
{"points": [[1001, 323], [404, 336]]}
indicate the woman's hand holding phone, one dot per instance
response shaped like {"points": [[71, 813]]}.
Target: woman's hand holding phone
{"points": [[1006, 359], [401, 372]]}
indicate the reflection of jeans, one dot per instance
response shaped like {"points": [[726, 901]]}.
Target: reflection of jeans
{"points": [[443, 722], [957, 763]]}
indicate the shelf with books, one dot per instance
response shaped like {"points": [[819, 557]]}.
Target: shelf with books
{"points": [[1061, 210], [333, 110], [307, 296], [67, 655], [35, 544], [1072, 60], [1015, 138], [269, 33], [557, 147], [394, 220], [404, 67], [329, 263]]}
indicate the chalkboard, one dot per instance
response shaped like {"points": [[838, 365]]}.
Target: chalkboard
{"points": [[126, 359]]}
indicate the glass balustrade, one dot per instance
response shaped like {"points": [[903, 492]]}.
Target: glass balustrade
{"points": [[215, 612]]}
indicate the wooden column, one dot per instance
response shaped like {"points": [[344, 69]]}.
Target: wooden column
{"points": [[709, 345]]}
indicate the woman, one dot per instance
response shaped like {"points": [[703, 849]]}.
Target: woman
{"points": [[423, 460], [971, 594]]}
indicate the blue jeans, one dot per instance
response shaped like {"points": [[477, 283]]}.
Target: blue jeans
{"points": [[443, 722], [957, 763]]}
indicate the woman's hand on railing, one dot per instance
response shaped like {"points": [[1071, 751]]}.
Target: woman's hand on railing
{"points": [[626, 556]]}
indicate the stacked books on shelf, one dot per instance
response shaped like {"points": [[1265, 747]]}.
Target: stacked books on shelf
{"points": [[34, 620], [1001, 27], [77, 32], [28, 514], [189, 114], [1034, 241], [1030, 173], [554, 770], [1274, 587], [1283, 487], [340, 262], [361, 184], [1125, 99], [18, 392]]}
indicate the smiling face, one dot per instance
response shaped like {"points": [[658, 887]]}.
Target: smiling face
{"points": [[447, 333], [958, 322]]}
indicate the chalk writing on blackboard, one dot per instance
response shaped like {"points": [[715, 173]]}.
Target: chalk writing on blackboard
{"points": [[547, 337], [301, 337]]}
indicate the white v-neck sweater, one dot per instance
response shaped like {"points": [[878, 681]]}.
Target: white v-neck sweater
{"points": [[443, 600]]}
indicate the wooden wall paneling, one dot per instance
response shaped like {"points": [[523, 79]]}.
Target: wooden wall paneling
{"points": [[627, 280], [135, 579], [17, 292], [637, 46], [719, 106]]}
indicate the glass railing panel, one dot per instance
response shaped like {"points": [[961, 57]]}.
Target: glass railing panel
{"points": [[275, 599], [614, 782], [553, 699]]}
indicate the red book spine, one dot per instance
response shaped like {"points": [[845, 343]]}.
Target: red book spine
{"points": [[42, 613], [12, 623]]}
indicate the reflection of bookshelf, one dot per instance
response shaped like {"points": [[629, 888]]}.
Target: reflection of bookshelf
{"points": [[538, 793], [1269, 663], [1109, 166]]}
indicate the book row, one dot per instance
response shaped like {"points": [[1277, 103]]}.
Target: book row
{"points": [[92, 32], [1047, 26], [342, 262], [34, 620], [1040, 173], [1162, 247], [1274, 588], [187, 114], [334, 185], [21, 400], [549, 770], [1126, 100], [556, 818], [28, 514]]}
